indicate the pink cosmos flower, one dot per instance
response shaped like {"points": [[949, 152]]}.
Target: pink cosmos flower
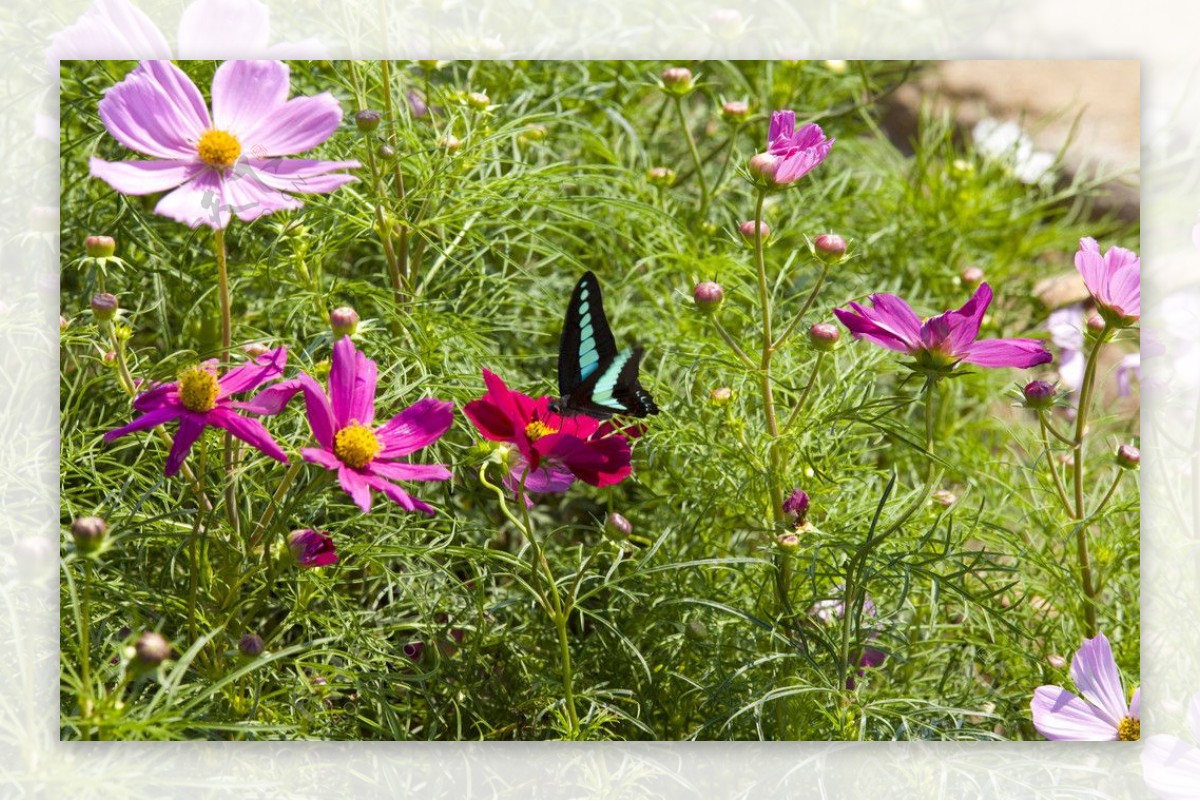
{"points": [[1102, 713], [312, 548], [555, 449], [226, 163], [943, 341], [1114, 279], [1170, 765], [365, 458], [790, 154], [201, 398]]}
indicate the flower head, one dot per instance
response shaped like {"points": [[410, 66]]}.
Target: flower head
{"points": [[1102, 713], [366, 457], [554, 450], [790, 154], [1114, 279], [941, 342], [312, 548], [227, 162], [201, 398]]}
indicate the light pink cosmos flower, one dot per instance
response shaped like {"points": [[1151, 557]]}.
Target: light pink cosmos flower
{"points": [[365, 458], [1102, 713], [223, 164], [790, 154], [941, 341], [1170, 765], [1114, 279], [201, 398]]}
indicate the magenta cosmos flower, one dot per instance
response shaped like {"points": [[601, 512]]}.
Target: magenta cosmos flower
{"points": [[1114, 279], [201, 398], [939, 343], [365, 458], [312, 548], [790, 154], [1102, 713], [226, 163], [555, 450]]}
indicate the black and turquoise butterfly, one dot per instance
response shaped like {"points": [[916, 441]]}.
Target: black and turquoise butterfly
{"points": [[594, 378]]}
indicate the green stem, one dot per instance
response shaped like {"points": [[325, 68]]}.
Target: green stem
{"points": [[1081, 544], [683, 124], [226, 344], [768, 396], [1058, 484], [407, 271], [733, 345], [85, 645], [812, 379], [812, 296], [261, 528]]}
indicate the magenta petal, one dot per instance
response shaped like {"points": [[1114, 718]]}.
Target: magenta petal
{"points": [[191, 426], [495, 414], [157, 417], [248, 376], [783, 123], [1094, 672], [547, 478], [320, 417], [1008, 353], [418, 426], [321, 457], [895, 315], [399, 495], [403, 471], [304, 176], [352, 385], [248, 430], [965, 322], [200, 201], [298, 125], [1125, 291], [1091, 267], [245, 93], [156, 111], [142, 177], [157, 396], [357, 486], [1059, 714], [864, 328]]}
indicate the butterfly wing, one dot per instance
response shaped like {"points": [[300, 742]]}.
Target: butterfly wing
{"points": [[614, 389], [587, 342]]}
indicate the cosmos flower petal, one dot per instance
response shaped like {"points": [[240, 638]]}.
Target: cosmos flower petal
{"points": [[1059, 714], [894, 314], [191, 426], [1135, 704], [258, 372], [495, 414], [324, 458], [1094, 672], [783, 123], [295, 126], [418, 426], [156, 111], [863, 327], [109, 30], [143, 177], [1008, 353], [244, 94], [357, 486], [200, 201], [249, 198], [399, 495], [304, 176], [1125, 290], [248, 430], [1171, 767], [352, 385], [547, 478], [222, 29], [157, 397], [156, 417], [964, 323], [403, 471]]}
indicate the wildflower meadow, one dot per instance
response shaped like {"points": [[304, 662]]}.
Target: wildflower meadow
{"points": [[535, 400]]}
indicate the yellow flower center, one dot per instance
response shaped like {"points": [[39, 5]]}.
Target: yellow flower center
{"points": [[537, 429], [1129, 729], [219, 149], [198, 389], [355, 445]]}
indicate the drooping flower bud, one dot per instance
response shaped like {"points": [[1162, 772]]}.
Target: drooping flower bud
{"points": [[824, 336], [1128, 457], [89, 534], [747, 230], [708, 296], [367, 120], [104, 306], [660, 176], [250, 644], [795, 508], [829, 248], [151, 650], [311, 548], [721, 396], [971, 277], [617, 526], [677, 80], [1039, 394], [735, 110], [343, 321], [100, 247]]}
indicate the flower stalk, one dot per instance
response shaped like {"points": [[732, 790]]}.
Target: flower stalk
{"points": [[695, 153]]}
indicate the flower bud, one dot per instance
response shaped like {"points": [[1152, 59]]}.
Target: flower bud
{"points": [[944, 498], [708, 295], [534, 133], [100, 247], [795, 508], [1096, 324], [971, 277], [677, 80], [762, 167], [367, 120], [748, 230], [787, 542], [721, 396], [151, 650], [311, 548], [735, 110], [250, 644], [416, 104], [63, 322], [1057, 662], [824, 336], [89, 534], [255, 349], [1039, 394], [660, 176], [1128, 457], [450, 142], [696, 630], [343, 321], [478, 100], [617, 526], [104, 306], [386, 152], [830, 248]]}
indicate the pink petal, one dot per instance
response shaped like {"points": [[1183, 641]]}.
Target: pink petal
{"points": [[157, 417], [862, 326], [547, 478], [246, 93], [418, 426], [1091, 267], [1125, 291], [156, 397], [198, 202], [965, 322], [109, 30], [298, 125], [1059, 714], [894, 314], [1171, 767], [142, 177], [1008, 353], [352, 385], [783, 124], [299, 175], [248, 376], [191, 426], [250, 199], [320, 417], [1135, 704], [1193, 716], [403, 471], [157, 111], [1094, 672], [399, 495], [1089, 245], [248, 430], [223, 29], [321, 457], [357, 486]]}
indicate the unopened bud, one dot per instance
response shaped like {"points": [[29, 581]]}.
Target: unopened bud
{"points": [[735, 110], [104, 306], [89, 534], [762, 167], [100, 247], [796, 507], [63, 322], [450, 142], [830, 248], [824, 336], [255, 349], [250, 644], [748, 229], [151, 650], [677, 80], [696, 630], [1039, 394], [343, 321], [708, 295], [660, 176], [1128, 457], [971, 277], [1057, 662], [617, 526], [367, 120], [944, 498], [721, 396], [386, 152], [1095, 324], [478, 100]]}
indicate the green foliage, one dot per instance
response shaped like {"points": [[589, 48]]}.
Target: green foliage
{"points": [[680, 631]]}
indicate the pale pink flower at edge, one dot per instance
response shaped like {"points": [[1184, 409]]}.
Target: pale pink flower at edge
{"points": [[1102, 713], [226, 163], [1114, 278], [1170, 765]]}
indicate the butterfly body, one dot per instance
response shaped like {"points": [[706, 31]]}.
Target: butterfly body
{"points": [[594, 378]]}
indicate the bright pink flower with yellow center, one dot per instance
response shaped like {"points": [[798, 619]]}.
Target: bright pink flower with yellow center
{"points": [[201, 398], [226, 163], [365, 457]]}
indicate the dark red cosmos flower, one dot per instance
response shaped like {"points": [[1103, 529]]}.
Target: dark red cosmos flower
{"points": [[555, 450]]}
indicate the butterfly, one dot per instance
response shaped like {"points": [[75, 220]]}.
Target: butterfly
{"points": [[594, 378]]}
